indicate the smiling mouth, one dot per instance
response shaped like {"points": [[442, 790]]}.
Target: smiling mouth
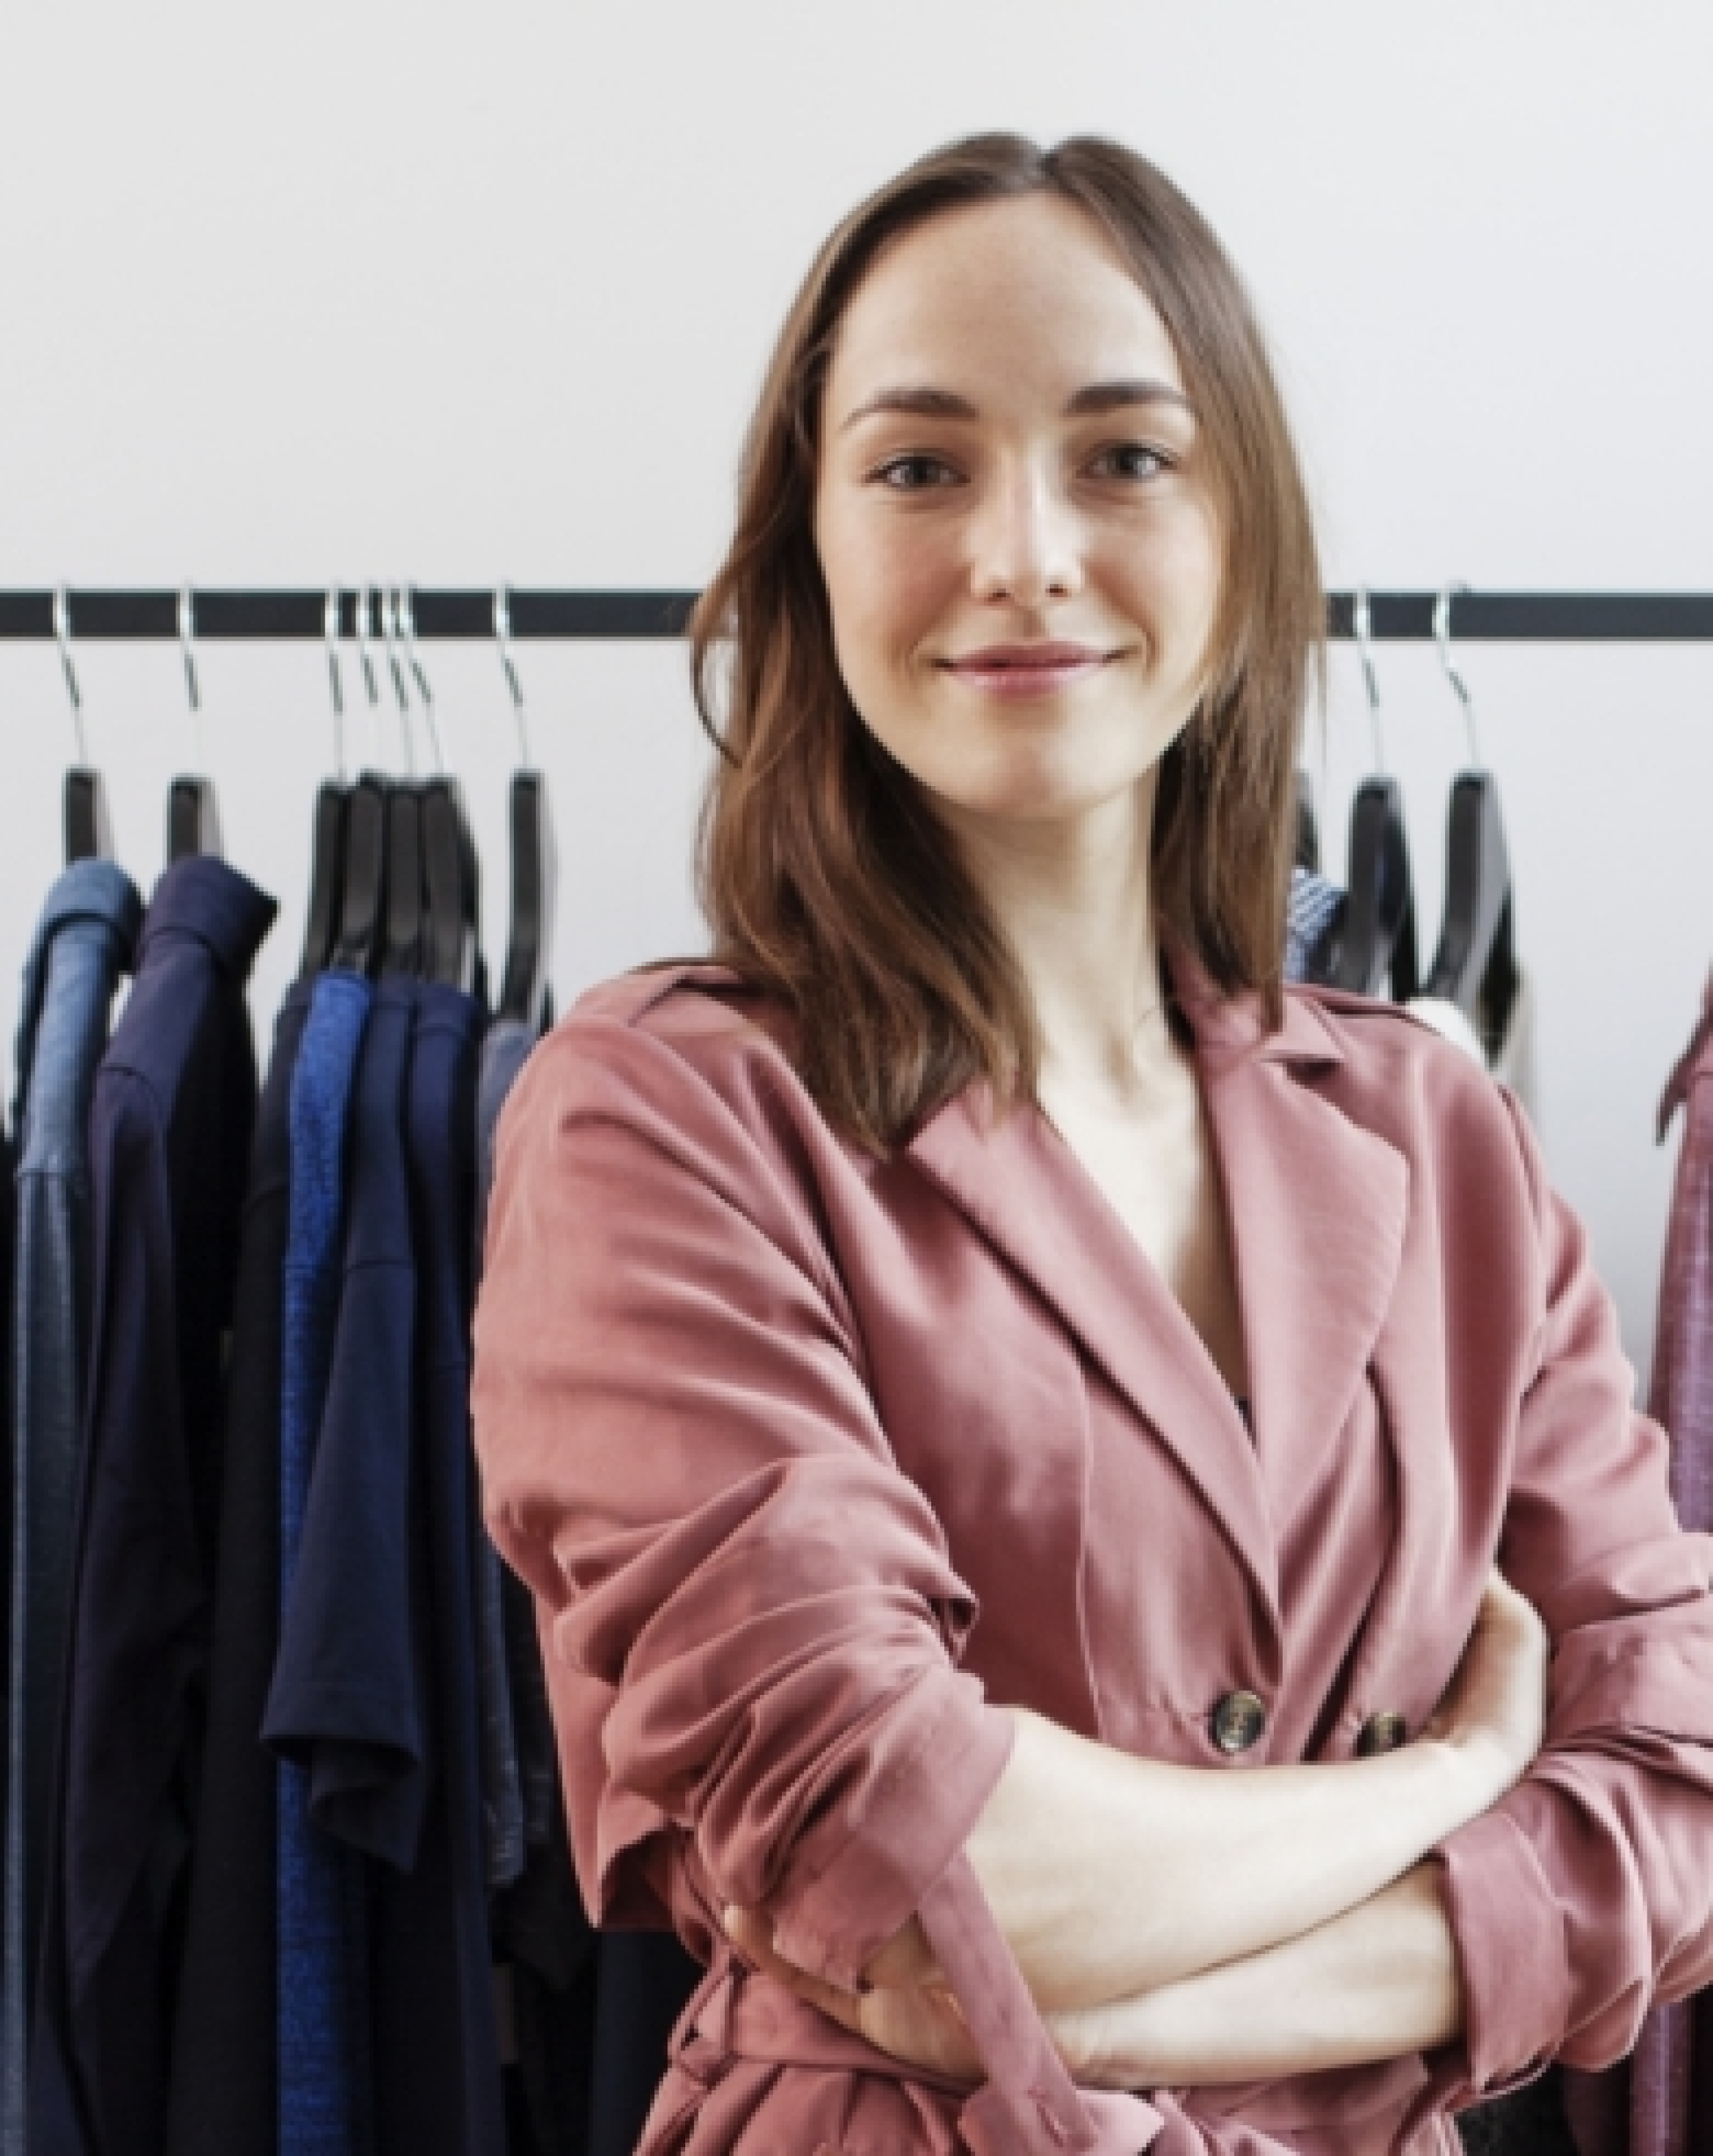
{"points": [[1027, 669]]}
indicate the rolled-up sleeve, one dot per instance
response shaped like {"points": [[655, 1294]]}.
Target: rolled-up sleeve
{"points": [[1587, 1891], [751, 1621]]}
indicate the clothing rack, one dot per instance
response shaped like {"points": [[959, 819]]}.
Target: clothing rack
{"points": [[297, 616]]}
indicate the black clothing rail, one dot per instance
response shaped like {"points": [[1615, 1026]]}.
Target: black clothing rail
{"points": [[296, 616]]}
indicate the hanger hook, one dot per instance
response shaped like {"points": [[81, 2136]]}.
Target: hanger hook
{"points": [[390, 632], [62, 637], [1362, 624], [406, 603], [1442, 637], [186, 646], [503, 639], [335, 680]]}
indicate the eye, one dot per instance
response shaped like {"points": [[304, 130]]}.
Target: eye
{"points": [[915, 474], [1131, 460]]}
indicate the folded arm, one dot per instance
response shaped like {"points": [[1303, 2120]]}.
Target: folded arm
{"points": [[1111, 1875]]}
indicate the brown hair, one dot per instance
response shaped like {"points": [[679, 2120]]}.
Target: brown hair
{"points": [[826, 877]]}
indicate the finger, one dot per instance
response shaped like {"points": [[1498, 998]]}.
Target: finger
{"points": [[905, 1962], [753, 1934]]}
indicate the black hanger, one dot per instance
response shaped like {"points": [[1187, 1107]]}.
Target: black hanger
{"points": [[450, 878], [526, 990], [1376, 944], [326, 869], [363, 881], [525, 994], [403, 949], [192, 818], [1474, 965], [1308, 855], [325, 876], [193, 814], [445, 932], [87, 826]]}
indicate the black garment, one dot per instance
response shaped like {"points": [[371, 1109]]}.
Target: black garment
{"points": [[224, 2090], [646, 1979], [169, 1144], [437, 2072]]}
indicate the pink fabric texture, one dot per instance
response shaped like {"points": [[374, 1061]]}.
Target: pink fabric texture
{"points": [[1660, 2101], [815, 1463]]}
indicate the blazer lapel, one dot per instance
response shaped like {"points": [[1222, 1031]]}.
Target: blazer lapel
{"points": [[1317, 1206], [1031, 1199]]}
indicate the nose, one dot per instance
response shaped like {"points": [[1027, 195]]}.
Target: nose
{"points": [[1026, 541]]}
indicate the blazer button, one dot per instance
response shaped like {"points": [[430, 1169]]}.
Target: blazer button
{"points": [[1238, 1720], [1381, 1733]]}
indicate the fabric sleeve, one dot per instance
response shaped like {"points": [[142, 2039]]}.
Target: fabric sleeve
{"points": [[681, 1456], [1587, 1891]]}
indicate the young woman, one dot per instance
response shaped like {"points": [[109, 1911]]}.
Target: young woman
{"points": [[1014, 1420]]}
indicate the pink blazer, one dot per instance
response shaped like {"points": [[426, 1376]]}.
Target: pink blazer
{"points": [[813, 1463]]}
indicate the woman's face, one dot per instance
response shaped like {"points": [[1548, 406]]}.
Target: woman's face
{"points": [[1012, 515]]}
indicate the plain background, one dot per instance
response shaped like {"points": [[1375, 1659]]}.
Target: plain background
{"points": [[452, 295]]}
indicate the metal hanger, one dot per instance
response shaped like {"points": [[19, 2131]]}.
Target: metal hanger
{"points": [[192, 813], [526, 992], [88, 827], [404, 948], [1377, 946], [452, 923], [327, 831], [1474, 965], [361, 930]]}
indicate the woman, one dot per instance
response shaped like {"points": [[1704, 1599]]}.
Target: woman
{"points": [[979, 1364]]}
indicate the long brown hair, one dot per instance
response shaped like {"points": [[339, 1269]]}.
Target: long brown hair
{"points": [[826, 878]]}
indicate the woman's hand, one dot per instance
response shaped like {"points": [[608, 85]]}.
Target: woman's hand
{"points": [[1494, 1708], [908, 2009]]}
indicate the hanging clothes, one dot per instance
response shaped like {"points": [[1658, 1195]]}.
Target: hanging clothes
{"points": [[85, 941], [1314, 911], [545, 1949], [224, 2094], [1659, 2101], [440, 2080], [170, 1134], [319, 2036], [505, 1048], [1511, 1058]]}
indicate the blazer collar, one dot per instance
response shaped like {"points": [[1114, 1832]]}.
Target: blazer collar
{"points": [[1316, 1206]]}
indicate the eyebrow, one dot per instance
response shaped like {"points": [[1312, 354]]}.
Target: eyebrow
{"points": [[1098, 398]]}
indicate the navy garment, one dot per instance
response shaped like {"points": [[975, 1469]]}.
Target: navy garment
{"points": [[225, 2092], [436, 2037], [505, 1050], [349, 1697], [322, 2062], [170, 1133], [643, 1983], [543, 1942], [85, 940]]}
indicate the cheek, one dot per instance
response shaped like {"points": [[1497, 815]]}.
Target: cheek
{"points": [[1173, 583], [884, 586]]}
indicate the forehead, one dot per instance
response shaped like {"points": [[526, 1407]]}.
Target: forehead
{"points": [[1028, 294]]}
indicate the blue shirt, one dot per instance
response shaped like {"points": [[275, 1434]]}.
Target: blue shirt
{"points": [[321, 2009]]}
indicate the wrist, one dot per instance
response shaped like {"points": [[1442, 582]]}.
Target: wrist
{"points": [[1476, 1767]]}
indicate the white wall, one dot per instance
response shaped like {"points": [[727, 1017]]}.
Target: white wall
{"points": [[457, 294]]}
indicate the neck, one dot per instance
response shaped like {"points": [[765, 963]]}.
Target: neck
{"points": [[1074, 900]]}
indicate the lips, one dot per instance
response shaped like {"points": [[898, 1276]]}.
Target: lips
{"points": [[1027, 669]]}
